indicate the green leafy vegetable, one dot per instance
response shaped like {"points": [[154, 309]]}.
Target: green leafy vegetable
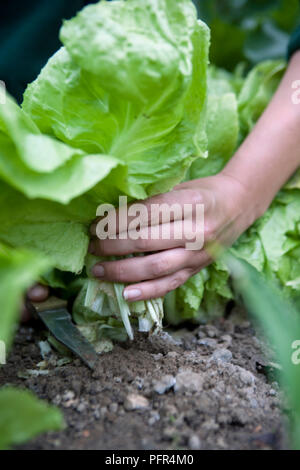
{"points": [[22, 416], [18, 269]]}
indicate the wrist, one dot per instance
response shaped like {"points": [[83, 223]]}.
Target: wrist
{"points": [[248, 199]]}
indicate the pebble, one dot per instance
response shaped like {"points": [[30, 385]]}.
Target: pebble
{"points": [[68, 395], [208, 342], [157, 357], [226, 339], [194, 442], [169, 432], [97, 413], [246, 377], [187, 380], [172, 354], [154, 417], [103, 411], [211, 331], [223, 355], [164, 384], [134, 401], [138, 382], [81, 407], [113, 407], [210, 425]]}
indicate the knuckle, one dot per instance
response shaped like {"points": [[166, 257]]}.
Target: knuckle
{"points": [[159, 267], [195, 197], [141, 245], [176, 282]]}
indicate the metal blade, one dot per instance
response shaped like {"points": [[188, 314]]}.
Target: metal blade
{"points": [[57, 319]]}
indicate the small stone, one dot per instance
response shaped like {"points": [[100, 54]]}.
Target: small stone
{"points": [[172, 354], [113, 407], [226, 339], [208, 343], [169, 433], [154, 417], [68, 395], [103, 411], [272, 393], [170, 410], [57, 400], [97, 413], [246, 377], [187, 380], [194, 442], [240, 417], [157, 357], [223, 355], [201, 334], [81, 407], [253, 403], [138, 382], [211, 331], [164, 384], [134, 401], [210, 425]]}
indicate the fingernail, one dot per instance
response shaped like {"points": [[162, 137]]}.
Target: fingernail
{"points": [[91, 247], [98, 270], [132, 294]]}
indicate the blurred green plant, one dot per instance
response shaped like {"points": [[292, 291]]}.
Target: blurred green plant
{"points": [[248, 31], [22, 415], [279, 319]]}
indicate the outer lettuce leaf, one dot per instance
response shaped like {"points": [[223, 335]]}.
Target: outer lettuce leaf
{"points": [[222, 123], [131, 83], [59, 232], [256, 93], [18, 269], [41, 166]]}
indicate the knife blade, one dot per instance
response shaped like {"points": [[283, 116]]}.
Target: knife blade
{"points": [[55, 316]]}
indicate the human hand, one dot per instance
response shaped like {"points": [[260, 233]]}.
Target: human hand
{"points": [[227, 214]]}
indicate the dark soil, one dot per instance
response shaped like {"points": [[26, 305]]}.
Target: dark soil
{"points": [[218, 396]]}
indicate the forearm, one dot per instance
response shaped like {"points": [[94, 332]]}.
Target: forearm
{"points": [[271, 153]]}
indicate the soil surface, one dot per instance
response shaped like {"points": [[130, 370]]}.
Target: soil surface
{"points": [[204, 388]]}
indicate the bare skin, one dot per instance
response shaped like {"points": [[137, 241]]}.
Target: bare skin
{"points": [[233, 200], [37, 293]]}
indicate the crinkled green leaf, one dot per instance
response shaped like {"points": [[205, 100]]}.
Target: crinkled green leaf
{"points": [[131, 83]]}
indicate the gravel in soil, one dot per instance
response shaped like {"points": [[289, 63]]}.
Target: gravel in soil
{"points": [[199, 389]]}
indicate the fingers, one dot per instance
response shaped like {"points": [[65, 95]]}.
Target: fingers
{"points": [[38, 293], [158, 238], [169, 204], [149, 267], [158, 287]]}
